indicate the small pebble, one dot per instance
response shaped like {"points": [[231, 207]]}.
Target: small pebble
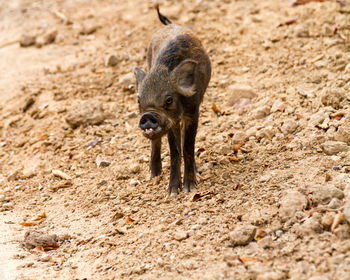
{"points": [[327, 220], [334, 203], [265, 242], [8, 205], [334, 147], [88, 29], [27, 40], [279, 233], [135, 168], [45, 258], [100, 162], [46, 39], [291, 202], [301, 31], [289, 127], [111, 60], [242, 235], [181, 235], [260, 112]]}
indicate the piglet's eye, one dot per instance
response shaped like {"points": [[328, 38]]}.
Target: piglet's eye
{"points": [[169, 100]]}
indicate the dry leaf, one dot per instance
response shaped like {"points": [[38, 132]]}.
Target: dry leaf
{"points": [[237, 187], [28, 224], [40, 248], [289, 21], [81, 242], [40, 217], [215, 109], [337, 116], [50, 247], [260, 234], [44, 137], [341, 68], [234, 159], [237, 146], [199, 151], [198, 196], [129, 220]]}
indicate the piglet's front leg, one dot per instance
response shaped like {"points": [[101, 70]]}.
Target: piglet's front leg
{"points": [[190, 181], [156, 162], [174, 139]]}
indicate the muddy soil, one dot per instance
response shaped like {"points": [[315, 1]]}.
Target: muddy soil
{"points": [[273, 197]]}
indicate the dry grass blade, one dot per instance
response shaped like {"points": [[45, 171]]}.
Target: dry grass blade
{"points": [[28, 224], [302, 2], [216, 109]]}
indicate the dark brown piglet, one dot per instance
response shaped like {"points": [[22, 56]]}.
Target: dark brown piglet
{"points": [[169, 96]]}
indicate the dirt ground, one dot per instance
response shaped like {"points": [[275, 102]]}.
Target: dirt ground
{"points": [[272, 150]]}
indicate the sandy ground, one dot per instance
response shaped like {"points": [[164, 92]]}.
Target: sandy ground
{"points": [[273, 199]]}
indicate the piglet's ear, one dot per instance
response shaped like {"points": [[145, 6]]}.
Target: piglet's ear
{"points": [[182, 77], [139, 75]]}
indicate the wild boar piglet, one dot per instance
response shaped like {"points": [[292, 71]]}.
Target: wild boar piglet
{"points": [[169, 96]]}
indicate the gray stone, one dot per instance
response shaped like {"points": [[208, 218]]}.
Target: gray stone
{"points": [[180, 235], [291, 202], [85, 113], [342, 232], [318, 118], [289, 127], [334, 203], [265, 242], [332, 98], [343, 132], [239, 137], [238, 92], [267, 133], [251, 132], [301, 31], [324, 193], [242, 235], [260, 112], [278, 105], [334, 147]]}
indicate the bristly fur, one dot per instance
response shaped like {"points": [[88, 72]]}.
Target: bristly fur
{"points": [[162, 18]]}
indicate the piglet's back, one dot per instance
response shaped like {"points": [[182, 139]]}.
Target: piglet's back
{"points": [[172, 44]]}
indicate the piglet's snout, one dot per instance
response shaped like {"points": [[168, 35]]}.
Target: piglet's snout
{"points": [[149, 121]]}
